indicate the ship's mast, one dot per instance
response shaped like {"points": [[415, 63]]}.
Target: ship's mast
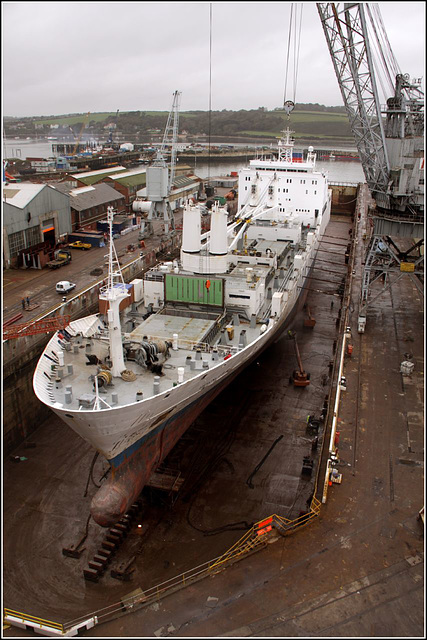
{"points": [[114, 292], [286, 146]]}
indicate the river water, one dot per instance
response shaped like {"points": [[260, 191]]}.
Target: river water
{"points": [[347, 171], [338, 171]]}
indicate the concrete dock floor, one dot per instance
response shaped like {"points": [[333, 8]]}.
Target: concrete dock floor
{"points": [[357, 570]]}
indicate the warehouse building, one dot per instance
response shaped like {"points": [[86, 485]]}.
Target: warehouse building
{"points": [[89, 204], [35, 218]]}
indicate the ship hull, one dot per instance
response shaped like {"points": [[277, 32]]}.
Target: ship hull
{"points": [[131, 471]]}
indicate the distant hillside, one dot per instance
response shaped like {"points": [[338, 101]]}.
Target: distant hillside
{"points": [[312, 121]]}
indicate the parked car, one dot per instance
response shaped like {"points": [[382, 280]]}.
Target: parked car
{"points": [[80, 245], [64, 286]]}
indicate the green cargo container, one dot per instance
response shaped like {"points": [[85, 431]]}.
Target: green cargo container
{"points": [[194, 290]]}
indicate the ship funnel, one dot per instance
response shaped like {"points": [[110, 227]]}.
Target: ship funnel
{"points": [[218, 239], [191, 227]]}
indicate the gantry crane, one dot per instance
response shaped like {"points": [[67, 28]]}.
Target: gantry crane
{"points": [[389, 139], [160, 177]]}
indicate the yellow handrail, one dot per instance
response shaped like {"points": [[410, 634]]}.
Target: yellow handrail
{"points": [[27, 618], [256, 534]]}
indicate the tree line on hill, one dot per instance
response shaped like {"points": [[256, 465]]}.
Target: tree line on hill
{"points": [[223, 123], [227, 123]]}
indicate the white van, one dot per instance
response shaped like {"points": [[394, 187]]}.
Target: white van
{"points": [[64, 286]]}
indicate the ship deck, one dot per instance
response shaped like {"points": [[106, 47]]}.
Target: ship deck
{"points": [[204, 336], [193, 355]]}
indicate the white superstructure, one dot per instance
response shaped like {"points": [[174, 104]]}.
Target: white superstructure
{"points": [[290, 184]]}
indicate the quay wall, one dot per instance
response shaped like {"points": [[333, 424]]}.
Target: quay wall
{"points": [[22, 411]]}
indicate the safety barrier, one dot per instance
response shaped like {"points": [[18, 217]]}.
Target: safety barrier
{"points": [[25, 619], [256, 536], [46, 627]]}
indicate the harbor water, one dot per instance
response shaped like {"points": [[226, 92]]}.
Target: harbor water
{"points": [[338, 171]]}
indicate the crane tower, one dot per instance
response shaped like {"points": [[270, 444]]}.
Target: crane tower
{"points": [[390, 142], [160, 177]]}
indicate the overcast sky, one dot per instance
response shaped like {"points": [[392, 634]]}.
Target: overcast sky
{"points": [[68, 57]]}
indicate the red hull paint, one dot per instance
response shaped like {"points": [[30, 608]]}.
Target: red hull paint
{"points": [[126, 482]]}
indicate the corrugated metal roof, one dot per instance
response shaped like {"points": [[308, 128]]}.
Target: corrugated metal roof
{"points": [[131, 178], [131, 172], [184, 181], [92, 196], [20, 194], [91, 177]]}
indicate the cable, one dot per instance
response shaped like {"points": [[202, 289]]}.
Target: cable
{"points": [[210, 93], [297, 56], [90, 476], [287, 54], [381, 54], [259, 465]]}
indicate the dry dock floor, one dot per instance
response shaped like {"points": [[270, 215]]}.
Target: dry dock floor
{"points": [[356, 571]]}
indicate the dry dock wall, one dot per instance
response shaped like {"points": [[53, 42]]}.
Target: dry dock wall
{"points": [[344, 198], [22, 411]]}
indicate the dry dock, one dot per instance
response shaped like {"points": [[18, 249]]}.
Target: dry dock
{"points": [[355, 570]]}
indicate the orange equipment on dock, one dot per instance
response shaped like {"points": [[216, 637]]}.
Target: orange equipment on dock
{"points": [[39, 326]]}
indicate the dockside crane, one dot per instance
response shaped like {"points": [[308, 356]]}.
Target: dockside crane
{"points": [[160, 178], [389, 139], [84, 125]]}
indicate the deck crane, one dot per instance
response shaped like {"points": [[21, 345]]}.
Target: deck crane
{"points": [[389, 139], [160, 177]]}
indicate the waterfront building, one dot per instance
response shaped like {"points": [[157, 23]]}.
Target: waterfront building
{"points": [[35, 217]]}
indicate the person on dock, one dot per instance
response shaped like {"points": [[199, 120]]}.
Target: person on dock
{"points": [[23, 303], [28, 302]]}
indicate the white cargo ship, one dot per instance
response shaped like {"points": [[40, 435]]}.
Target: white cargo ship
{"points": [[132, 378]]}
